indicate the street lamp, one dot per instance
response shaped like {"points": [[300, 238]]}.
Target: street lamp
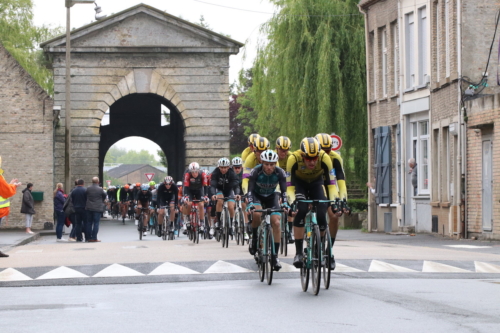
{"points": [[67, 141]]}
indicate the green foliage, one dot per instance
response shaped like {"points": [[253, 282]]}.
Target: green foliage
{"points": [[121, 155], [106, 177], [310, 76], [163, 158], [358, 205], [21, 38]]}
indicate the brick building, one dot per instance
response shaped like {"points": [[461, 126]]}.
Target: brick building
{"points": [[27, 137], [421, 57]]}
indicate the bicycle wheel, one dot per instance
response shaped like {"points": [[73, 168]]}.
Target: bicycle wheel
{"points": [[261, 264], [283, 234], [237, 227], [197, 229], [140, 226], [164, 228], [241, 223], [304, 277], [327, 255], [222, 228], [156, 227], [268, 256], [226, 228], [316, 260]]}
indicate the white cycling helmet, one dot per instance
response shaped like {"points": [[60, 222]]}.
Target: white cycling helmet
{"points": [[223, 162], [179, 183], [269, 156], [194, 167], [169, 180], [237, 161]]}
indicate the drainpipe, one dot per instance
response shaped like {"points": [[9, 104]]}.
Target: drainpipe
{"points": [[401, 118], [369, 129], [461, 130]]}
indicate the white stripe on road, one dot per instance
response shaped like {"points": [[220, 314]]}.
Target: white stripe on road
{"points": [[117, 270], [339, 268], [288, 268], [170, 269], [435, 267], [380, 266], [484, 267], [11, 274], [469, 246], [225, 267], [62, 273]]}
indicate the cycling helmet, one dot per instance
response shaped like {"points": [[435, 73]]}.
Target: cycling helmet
{"points": [[269, 156], [137, 184], [144, 187], [237, 161], [283, 142], [179, 183], [169, 180], [152, 183], [261, 143], [309, 147], [194, 167], [223, 162], [126, 186], [324, 140], [252, 138]]}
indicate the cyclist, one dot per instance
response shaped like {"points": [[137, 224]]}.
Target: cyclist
{"points": [[250, 149], [224, 183], [178, 208], [262, 184], [308, 170], [125, 198], [154, 191], [237, 166], [193, 189], [326, 144], [167, 197], [143, 200], [111, 193], [260, 144], [283, 146]]}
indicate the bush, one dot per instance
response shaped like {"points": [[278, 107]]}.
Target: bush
{"points": [[358, 205]]}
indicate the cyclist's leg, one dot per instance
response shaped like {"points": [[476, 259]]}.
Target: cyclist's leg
{"points": [[256, 220], [201, 211], [298, 224], [137, 211], [218, 208], [146, 217], [273, 202], [333, 224]]}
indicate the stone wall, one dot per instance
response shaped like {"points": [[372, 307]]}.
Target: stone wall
{"points": [[26, 136]]}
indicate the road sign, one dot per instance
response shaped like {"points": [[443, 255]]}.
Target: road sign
{"points": [[149, 176], [337, 142], [109, 182]]}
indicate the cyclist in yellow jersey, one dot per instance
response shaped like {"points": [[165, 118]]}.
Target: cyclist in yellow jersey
{"points": [[260, 144], [308, 170], [283, 146], [249, 150]]}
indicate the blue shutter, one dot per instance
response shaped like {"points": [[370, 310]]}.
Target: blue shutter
{"points": [[383, 164]]}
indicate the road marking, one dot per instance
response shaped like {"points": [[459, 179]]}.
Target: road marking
{"points": [[484, 267], [288, 268], [62, 272], [469, 246], [169, 268], [11, 274], [435, 267], [380, 266], [226, 267], [117, 270], [339, 268]]}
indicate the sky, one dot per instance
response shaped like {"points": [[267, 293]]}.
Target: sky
{"points": [[241, 19]]}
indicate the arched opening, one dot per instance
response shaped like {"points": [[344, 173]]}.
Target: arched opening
{"points": [[140, 115]]}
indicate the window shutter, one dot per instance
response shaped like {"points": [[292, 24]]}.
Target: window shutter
{"points": [[383, 164]]}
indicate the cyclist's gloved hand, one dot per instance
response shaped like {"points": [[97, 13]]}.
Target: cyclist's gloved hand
{"points": [[250, 207], [285, 205], [299, 196]]}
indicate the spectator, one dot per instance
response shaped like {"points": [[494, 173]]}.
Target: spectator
{"points": [[6, 191], [59, 198], [413, 171], [79, 198], [72, 218], [28, 207], [94, 208]]}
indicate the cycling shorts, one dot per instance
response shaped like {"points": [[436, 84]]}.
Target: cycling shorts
{"points": [[271, 201], [312, 191]]}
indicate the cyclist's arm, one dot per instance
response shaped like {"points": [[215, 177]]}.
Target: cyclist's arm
{"points": [[282, 184], [291, 167], [176, 194], [247, 169], [328, 175], [251, 185], [339, 170]]}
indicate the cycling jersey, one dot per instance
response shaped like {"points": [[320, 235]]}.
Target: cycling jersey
{"points": [[261, 184], [282, 163], [144, 198], [125, 195], [297, 170], [240, 180], [195, 185], [227, 183], [338, 175], [167, 195], [247, 151], [135, 193], [111, 195], [250, 163]]}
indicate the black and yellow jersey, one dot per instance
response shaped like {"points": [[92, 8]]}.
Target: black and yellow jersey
{"points": [[250, 163], [339, 175], [297, 170], [282, 163], [247, 151]]}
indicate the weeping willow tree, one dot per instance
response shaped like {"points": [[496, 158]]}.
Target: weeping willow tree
{"points": [[310, 77], [21, 38]]}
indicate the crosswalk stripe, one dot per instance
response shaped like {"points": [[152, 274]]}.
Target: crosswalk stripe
{"points": [[11, 274], [469, 246], [436, 267], [340, 268], [288, 268], [169, 268], [117, 270], [380, 266], [226, 267], [62, 272], [484, 267]]}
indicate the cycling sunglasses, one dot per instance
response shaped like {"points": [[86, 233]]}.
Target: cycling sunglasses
{"points": [[307, 158]]}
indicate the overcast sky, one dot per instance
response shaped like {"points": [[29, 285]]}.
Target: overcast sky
{"points": [[241, 19]]}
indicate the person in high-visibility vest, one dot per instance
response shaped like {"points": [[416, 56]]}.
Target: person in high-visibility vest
{"points": [[7, 190]]}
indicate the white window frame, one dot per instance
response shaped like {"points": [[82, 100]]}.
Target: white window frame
{"points": [[384, 63], [396, 57], [409, 50], [165, 112], [419, 158], [422, 45], [438, 41], [446, 165]]}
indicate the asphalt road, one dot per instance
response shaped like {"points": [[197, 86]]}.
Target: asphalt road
{"points": [[351, 305]]}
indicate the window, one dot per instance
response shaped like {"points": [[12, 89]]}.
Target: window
{"points": [[383, 164], [422, 46], [421, 154], [165, 116], [384, 63], [438, 23], [445, 169], [409, 50], [447, 36], [395, 39], [105, 118], [436, 194]]}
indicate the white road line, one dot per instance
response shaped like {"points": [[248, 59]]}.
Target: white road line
{"points": [[225, 267], [484, 267], [117, 270], [286, 268], [340, 268], [62, 272], [380, 266], [435, 267], [11, 274], [469, 246], [169, 268]]}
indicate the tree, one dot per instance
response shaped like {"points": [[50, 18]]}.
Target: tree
{"points": [[113, 154], [21, 38], [310, 76], [163, 158]]}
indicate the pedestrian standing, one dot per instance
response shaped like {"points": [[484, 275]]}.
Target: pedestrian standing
{"points": [[414, 177], [59, 198], [94, 208], [6, 191], [79, 198], [72, 218], [28, 207]]}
